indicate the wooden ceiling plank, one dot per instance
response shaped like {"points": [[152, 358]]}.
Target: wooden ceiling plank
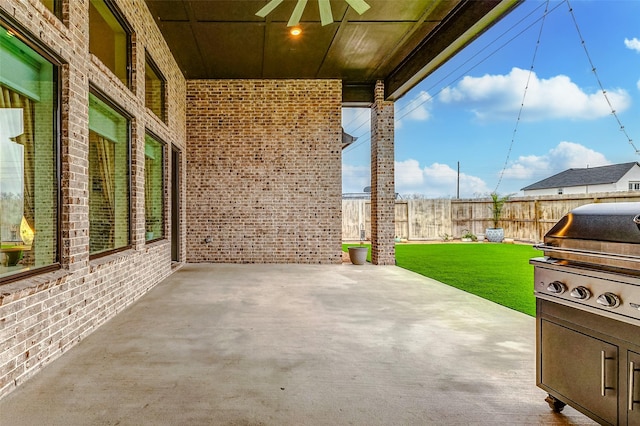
{"points": [[398, 44], [358, 47], [462, 26], [180, 37], [168, 10], [227, 48], [432, 12], [300, 56]]}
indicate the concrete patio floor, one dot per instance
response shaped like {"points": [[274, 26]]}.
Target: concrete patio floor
{"points": [[219, 344]]}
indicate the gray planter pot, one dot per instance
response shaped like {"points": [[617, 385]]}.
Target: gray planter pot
{"points": [[358, 255], [494, 235]]}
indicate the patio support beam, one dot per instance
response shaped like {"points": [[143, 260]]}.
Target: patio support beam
{"points": [[382, 179]]}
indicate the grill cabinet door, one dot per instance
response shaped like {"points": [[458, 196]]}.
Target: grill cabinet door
{"points": [[633, 395], [572, 363]]}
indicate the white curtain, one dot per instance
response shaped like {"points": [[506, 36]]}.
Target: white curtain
{"points": [[11, 173], [11, 153], [18, 123]]}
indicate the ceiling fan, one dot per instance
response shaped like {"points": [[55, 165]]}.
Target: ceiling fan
{"points": [[326, 16]]}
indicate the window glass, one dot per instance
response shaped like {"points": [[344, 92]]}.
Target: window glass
{"points": [[109, 204], [153, 188], [28, 158], [108, 39], [634, 186], [154, 89], [52, 5]]}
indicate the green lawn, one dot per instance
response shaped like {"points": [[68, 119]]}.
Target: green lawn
{"points": [[497, 272]]}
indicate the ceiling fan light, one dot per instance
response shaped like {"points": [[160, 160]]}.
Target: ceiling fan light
{"points": [[295, 31]]}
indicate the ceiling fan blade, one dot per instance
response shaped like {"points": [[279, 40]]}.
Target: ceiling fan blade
{"points": [[326, 16], [359, 6], [297, 13], [268, 8]]}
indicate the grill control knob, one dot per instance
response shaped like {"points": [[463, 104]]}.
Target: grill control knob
{"points": [[608, 300], [581, 293], [556, 287]]}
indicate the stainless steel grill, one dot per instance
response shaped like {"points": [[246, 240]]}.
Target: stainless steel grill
{"points": [[598, 235], [587, 287]]}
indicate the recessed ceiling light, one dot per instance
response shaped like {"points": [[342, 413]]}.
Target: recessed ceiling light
{"points": [[295, 31]]}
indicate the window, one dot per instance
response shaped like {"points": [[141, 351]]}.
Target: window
{"points": [[110, 38], [109, 182], [154, 89], [634, 186], [153, 188], [53, 5], [560, 191], [28, 158]]}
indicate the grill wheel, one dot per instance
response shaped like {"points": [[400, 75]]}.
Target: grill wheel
{"points": [[555, 404]]}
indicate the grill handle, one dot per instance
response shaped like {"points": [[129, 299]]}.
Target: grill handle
{"points": [[632, 371], [603, 373], [591, 253]]}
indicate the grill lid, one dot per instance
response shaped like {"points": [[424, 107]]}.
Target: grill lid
{"points": [[613, 222], [603, 235]]}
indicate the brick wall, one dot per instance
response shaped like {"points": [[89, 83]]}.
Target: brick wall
{"points": [[264, 171], [382, 180], [264, 182], [43, 316]]}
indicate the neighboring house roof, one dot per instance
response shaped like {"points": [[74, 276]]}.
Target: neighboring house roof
{"points": [[587, 176]]}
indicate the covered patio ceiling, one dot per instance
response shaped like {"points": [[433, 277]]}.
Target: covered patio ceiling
{"points": [[397, 41]]}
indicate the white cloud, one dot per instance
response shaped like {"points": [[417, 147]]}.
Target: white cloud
{"points": [[408, 174], [355, 178], [440, 180], [500, 97], [435, 181], [565, 155], [417, 109], [633, 44], [356, 121], [638, 84]]}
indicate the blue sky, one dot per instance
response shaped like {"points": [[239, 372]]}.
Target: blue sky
{"points": [[467, 111]]}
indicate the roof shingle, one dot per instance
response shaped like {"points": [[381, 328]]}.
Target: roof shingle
{"points": [[587, 176]]}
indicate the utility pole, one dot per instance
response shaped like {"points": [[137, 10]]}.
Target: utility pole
{"points": [[458, 185]]}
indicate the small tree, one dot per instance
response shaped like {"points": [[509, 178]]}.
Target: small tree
{"points": [[497, 204]]}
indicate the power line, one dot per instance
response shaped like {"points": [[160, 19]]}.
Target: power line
{"points": [[466, 71], [524, 95], [595, 73], [415, 105], [357, 118], [459, 76]]}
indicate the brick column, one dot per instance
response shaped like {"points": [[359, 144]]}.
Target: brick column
{"points": [[382, 180]]}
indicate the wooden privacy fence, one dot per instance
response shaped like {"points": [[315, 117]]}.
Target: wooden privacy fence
{"points": [[523, 218]]}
